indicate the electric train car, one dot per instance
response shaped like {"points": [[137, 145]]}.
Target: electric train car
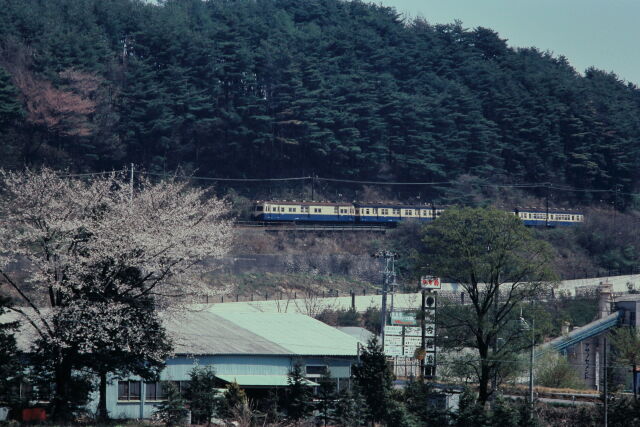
{"points": [[383, 213], [390, 214], [304, 211], [557, 217]]}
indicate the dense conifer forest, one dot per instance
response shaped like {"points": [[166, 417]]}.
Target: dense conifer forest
{"points": [[275, 88]]}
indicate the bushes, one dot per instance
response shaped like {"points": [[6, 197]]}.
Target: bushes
{"points": [[555, 371]]}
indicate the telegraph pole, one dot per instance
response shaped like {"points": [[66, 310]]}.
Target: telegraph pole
{"points": [[389, 278], [546, 217], [606, 383], [423, 334], [131, 185]]}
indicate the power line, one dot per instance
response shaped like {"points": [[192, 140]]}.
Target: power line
{"points": [[206, 178], [366, 182]]}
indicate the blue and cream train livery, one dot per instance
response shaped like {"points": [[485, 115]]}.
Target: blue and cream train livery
{"points": [[380, 213]]}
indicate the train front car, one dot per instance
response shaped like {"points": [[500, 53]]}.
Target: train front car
{"points": [[392, 214], [535, 217], [303, 211]]}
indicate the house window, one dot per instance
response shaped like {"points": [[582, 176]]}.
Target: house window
{"points": [[182, 386], [155, 391], [128, 390]]}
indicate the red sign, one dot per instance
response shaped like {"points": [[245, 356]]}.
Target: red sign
{"points": [[430, 282]]}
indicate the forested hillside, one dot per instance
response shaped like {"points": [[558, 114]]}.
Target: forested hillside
{"points": [[273, 88]]}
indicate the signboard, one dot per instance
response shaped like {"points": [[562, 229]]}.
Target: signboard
{"points": [[430, 282], [403, 336], [430, 315], [430, 358], [392, 350], [403, 318], [392, 330], [429, 330], [413, 341], [392, 341]]}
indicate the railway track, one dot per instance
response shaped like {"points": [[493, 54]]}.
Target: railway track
{"points": [[296, 227]]}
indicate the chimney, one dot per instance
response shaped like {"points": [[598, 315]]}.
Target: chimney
{"points": [[605, 290]]}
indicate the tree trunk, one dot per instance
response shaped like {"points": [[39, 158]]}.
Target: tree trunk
{"points": [[635, 383], [61, 402], [483, 384], [103, 414]]}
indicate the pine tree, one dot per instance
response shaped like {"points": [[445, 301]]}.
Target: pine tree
{"points": [[203, 395], [351, 409], [10, 108], [173, 411], [374, 378], [298, 395], [234, 401], [326, 398]]}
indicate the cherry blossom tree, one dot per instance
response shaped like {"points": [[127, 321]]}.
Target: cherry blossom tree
{"points": [[84, 256]]}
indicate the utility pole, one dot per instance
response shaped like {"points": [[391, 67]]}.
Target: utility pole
{"points": [[546, 217], [531, 360], [389, 278], [606, 384], [131, 185], [423, 334]]}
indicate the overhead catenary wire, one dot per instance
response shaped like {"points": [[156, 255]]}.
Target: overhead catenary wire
{"points": [[546, 185]]}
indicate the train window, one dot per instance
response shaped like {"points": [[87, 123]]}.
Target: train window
{"points": [[407, 212], [375, 211], [335, 209], [366, 211], [396, 211], [425, 213], [292, 209], [316, 210]]}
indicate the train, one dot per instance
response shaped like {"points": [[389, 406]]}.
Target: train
{"points": [[388, 213]]}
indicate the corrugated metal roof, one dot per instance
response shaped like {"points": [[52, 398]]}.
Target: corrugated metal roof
{"points": [[208, 333], [297, 333], [260, 380], [357, 332], [232, 333]]}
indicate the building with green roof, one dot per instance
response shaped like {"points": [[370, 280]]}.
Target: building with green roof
{"points": [[255, 350]]}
